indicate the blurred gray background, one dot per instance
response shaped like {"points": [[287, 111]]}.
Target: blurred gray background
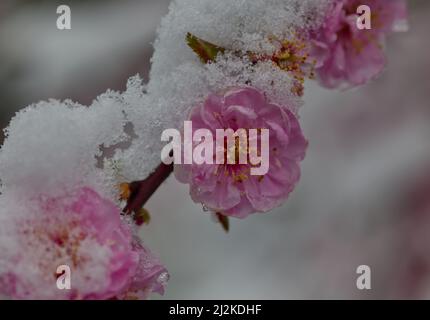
{"points": [[364, 197]]}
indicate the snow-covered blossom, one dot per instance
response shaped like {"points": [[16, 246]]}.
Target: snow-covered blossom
{"points": [[80, 230], [230, 189], [347, 56]]}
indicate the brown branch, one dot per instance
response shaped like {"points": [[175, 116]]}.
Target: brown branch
{"points": [[141, 191]]}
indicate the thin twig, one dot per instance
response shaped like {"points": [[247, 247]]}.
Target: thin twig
{"points": [[141, 191]]}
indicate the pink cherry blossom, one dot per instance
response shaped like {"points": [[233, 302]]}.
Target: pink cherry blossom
{"points": [[347, 56], [83, 231], [229, 189], [150, 275]]}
